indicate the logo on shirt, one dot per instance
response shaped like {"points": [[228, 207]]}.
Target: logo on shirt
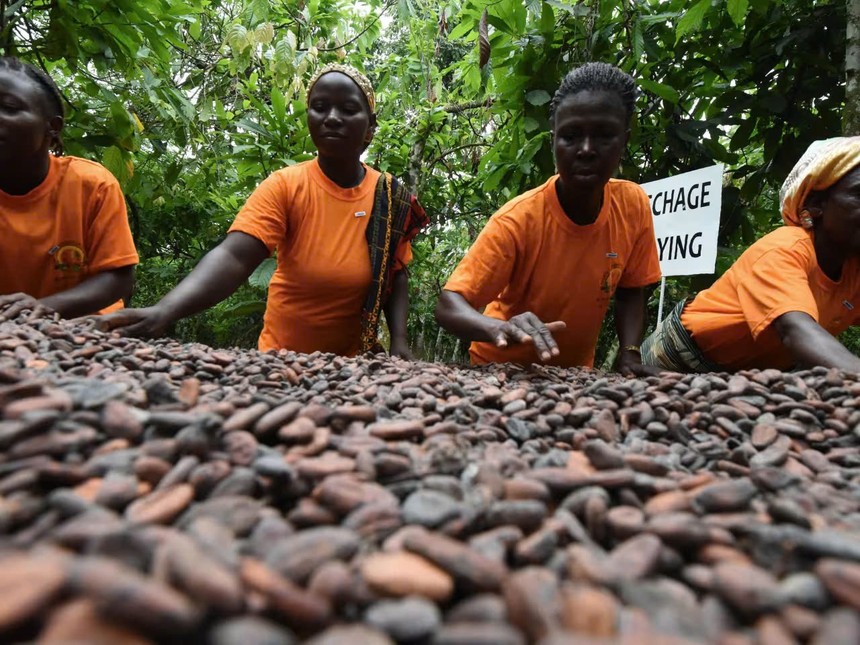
{"points": [[69, 257], [611, 278]]}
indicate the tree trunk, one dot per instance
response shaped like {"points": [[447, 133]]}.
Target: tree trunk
{"points": [[5, 31], [851, 116]]}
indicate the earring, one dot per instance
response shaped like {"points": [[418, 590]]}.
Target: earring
{"points": [[805, 218]]}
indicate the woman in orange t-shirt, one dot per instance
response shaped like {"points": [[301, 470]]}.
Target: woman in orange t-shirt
{"points": [[342, 231], [786, 298], [561, 251], [65, 245]]}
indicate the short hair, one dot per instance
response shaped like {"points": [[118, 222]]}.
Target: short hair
{"points": [[597, 77], [49, 89]]}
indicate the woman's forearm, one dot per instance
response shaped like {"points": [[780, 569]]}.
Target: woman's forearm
{"points": [[216, 276], [630, 316], [93, 294], [397, 306], [810, 344], [455, 314]]}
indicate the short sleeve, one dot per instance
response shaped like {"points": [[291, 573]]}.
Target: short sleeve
{"points": [[643, 265], [109, 244], [403, 256], [486, 269], [777, 283], [264, 215]]}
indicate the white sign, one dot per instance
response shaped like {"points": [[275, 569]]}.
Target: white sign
{"points": [[686, 211]]}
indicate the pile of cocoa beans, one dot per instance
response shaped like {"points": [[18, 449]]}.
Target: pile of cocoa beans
{"points": [[158, 492]]}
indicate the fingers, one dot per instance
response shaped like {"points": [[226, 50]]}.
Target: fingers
{"points": [[637, 369], [512, 332], [556, 326], [14, 304], [109, 322], [39, 311], [528, 328]]}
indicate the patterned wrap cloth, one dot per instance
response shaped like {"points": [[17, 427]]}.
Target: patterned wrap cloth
{"points": [[823, 164], [396, 217], [670, 346]]}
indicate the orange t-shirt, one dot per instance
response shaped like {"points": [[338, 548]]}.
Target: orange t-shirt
{"points": [[532, 257], [731, 321], [318, 228], [70, 227]]}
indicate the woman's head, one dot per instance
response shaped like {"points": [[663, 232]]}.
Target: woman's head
{"points": [[590, 115], [820, 168], [597, 77], [341, 111], [31, 111]]}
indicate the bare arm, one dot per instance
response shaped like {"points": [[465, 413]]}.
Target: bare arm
{"points": [[94, 293], [630, 320], [810, 344], [396, 314], [454, 313], [215, 278]]}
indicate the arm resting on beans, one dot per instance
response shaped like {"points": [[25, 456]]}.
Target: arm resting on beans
{"points": [[88, 297], [630, 317], [810, 344], [215, 278], [454, 313], [396, 312]]}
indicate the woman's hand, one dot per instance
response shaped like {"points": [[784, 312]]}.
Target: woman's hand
{"points": [[149, 322], [399, 347], [630, 363], [528, 328], [17, 303]]}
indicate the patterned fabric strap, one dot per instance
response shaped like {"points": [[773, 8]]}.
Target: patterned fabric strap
{"points": [[671, 347], [396, 217]]}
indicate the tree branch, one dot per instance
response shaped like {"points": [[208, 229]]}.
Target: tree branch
{"points": [[463, 146], [459, 108]]}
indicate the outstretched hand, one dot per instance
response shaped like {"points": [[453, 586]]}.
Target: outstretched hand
{"points": [[14, 304], [149, 322], [528, 328]]}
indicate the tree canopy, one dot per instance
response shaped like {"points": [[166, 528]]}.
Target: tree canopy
{"points": [[191, 103]]}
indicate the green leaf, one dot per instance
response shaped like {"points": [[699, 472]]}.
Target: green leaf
{"points": [[663, 91], [194, 29], [461, 30], [245, 308], [737, 10], [692, 19], [538, 97], [12, 8], [262, 275], [279, 104], [113, 161], [741, 136]]}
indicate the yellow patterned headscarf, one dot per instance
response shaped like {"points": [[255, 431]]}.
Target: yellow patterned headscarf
{"points": [[357, 77], [822, 165]]}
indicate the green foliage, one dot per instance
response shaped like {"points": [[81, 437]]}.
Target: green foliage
{"points": [[191, 103]]}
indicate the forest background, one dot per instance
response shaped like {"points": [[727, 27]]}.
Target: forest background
{"points": [[191, 103]]}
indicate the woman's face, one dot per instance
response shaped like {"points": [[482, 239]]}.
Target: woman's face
{"points": [[339, 118], [589, 136], [24, 128], [840, 214]]}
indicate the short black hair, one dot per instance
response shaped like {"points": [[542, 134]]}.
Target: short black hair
{"points": [[52, 94], [596, 77]]}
